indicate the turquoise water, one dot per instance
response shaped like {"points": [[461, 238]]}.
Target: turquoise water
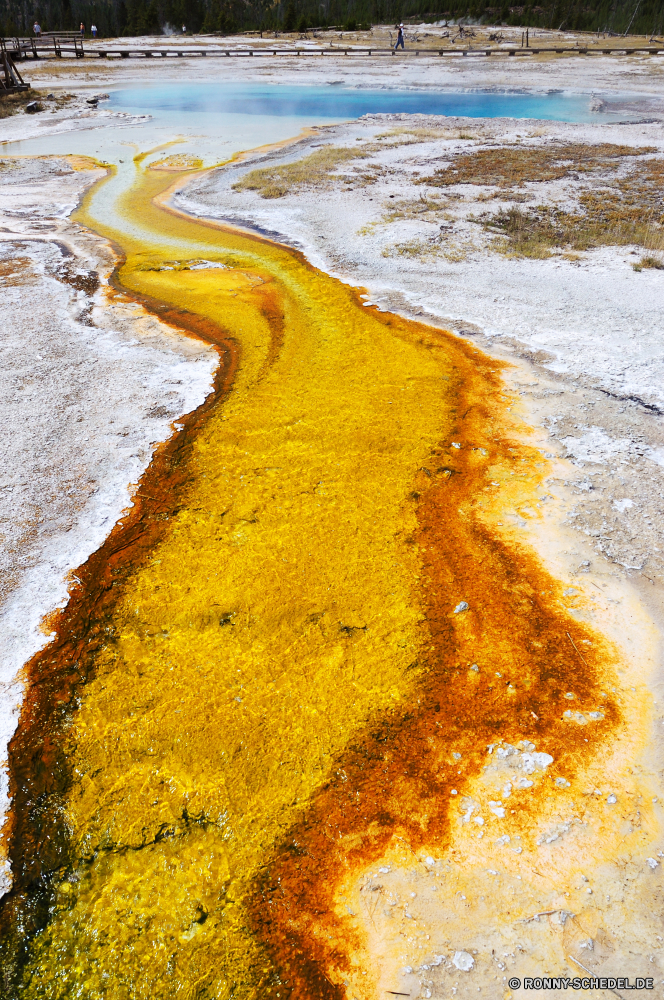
{"points": [[216, 121], [339, 103]]}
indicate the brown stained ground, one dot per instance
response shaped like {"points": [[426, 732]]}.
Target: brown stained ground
{"points": [[392, 786]]}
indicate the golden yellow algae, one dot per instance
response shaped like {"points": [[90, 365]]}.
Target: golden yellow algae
{"points": [[273, 618], [245, 697]]}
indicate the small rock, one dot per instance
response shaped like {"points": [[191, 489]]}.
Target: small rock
{"points": [[462, 606], [611, 799], [652, 863], [463, 961], [32, 108]]}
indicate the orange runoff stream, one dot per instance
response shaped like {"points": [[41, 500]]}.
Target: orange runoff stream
{"points": [[267, 677]]}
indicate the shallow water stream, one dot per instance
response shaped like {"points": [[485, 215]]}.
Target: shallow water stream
{"points": [[293, 650]]}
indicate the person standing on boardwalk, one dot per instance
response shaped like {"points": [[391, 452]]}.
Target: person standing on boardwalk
{"points": [[399, 28], [36, 27], [82, 30], [93, 29]]}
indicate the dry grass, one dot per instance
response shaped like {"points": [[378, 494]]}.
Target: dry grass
{"points": [[527, 234], [315, 170], [13, 104], [412, 135], [630, 212], [507, 167], [434, 246], [649, 261], [424, 208]]}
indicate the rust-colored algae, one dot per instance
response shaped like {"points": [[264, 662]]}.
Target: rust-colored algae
{"points": [[268, 677], [393, 783], [39, 840]]}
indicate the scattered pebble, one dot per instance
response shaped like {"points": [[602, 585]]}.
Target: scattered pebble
{"points": [[463, 961]]}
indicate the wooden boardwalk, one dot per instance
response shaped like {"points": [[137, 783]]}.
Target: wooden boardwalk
{"points": [[53, 45], [356, 51], [11, 81], [57, 46]]}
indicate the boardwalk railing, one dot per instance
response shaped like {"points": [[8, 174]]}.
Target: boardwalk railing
{"points": [[72, 44], [42, 46], [151, 52]]}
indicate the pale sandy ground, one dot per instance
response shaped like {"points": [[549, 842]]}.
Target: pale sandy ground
{"points": [[587, 350]]}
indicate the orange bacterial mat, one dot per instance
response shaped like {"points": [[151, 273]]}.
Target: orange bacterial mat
{"points": [[289, 658]]}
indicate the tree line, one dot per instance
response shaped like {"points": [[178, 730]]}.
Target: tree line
{"points": [[115, 18]]}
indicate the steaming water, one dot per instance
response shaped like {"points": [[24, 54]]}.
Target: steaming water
{"points": [[336, 103], [215, 121]]}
